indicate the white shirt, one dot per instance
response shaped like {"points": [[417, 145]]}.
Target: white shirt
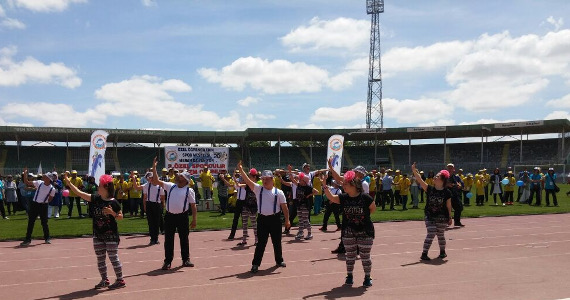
{"points": [[179, 199], [335, 191], [365, 187], [240, 192], [152, 192], [266, 200], [43, 191]]}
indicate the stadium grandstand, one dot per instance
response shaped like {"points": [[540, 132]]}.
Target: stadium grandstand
{"points": [[481, 146]]}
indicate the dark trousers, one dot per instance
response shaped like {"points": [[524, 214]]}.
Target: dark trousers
{"points": [[500, 197], [77, 201], [486, 188], [2, 211], [466, 199], [268, 225], [422, 194], [397, 197], [153, 216], [548, 192], [387, 195], [136, 205], [535, 190], [378, 199], [37, 209], [457, 209], [332, 208], [509, 195], [293, 211], [520, 192], [404, 199], [237, 214], [223, 203], [172, 223]]}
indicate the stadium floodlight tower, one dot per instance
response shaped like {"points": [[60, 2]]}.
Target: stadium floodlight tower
{"points": [[374, 110]]}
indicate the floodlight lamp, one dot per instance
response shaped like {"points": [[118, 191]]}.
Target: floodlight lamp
{"points": [[374, 6]]}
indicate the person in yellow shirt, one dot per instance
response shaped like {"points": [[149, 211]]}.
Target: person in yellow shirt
{"points": [[78, 182], [122, 193], [372, 183], [487, 179], [207, 181], [318, 197], [480, 190], [396, 185], [405, 184], [467, 184], [510, 188], [135, 196], [429, 179]]}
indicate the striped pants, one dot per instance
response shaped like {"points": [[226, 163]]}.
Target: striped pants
{"points": [[435, 228], [245, 215], [352, 241], [303, 214], [111, 248]]}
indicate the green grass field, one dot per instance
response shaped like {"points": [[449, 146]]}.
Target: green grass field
{"points": [[15, 227]]}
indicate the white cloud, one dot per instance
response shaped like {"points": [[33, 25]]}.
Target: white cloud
{"points": [[248, 101], [413, 111], [340, 33], [440, 122], [558, 114], [354, 69], [51, 114], [13, 24], [272, 77], [14, 73], [4, 123], [563, 102], [306, 126], [428, 58], [149, 3], [491, 121], [2, 12], [556, 23], [44, 5], [347, 113]]}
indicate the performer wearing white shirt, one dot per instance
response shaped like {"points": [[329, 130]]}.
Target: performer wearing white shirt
{"points": [[153, 205]]}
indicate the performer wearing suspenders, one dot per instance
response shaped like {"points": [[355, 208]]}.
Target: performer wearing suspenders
{"points": [[180, 200], [153, 204], [270, 202], [39, 206]]}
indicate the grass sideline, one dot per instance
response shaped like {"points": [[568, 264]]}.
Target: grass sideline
{"points": [[15, 227]]}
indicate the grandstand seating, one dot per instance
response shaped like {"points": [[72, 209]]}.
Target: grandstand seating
{"points": [[429, 156]]}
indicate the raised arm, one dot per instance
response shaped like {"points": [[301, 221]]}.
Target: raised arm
{"points": [[76, 190], [419, 179], [245, 178], [330, 196], [26, 181], [335, 175], [154, 180]]}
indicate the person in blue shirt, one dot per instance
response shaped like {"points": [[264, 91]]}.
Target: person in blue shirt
{"points": [[549, 184], [387, 193], [535, 182]]}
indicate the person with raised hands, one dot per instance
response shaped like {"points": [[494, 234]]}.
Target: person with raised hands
{"points": [[357, 227], [302, 192], [180, 200], [106, 212], [270, 202], [153, 205], [39, 204], [437, 210]]}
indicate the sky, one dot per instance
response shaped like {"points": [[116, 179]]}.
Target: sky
{"points": [[233, 65]]}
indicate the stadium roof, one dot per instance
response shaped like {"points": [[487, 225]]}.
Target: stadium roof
{"points": [[60, 134]]}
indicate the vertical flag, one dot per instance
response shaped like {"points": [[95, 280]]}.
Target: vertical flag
{"points": [[40, 171], [334, 151], [97, 154]]}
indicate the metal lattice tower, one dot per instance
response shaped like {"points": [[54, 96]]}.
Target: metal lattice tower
{"points": [[374, 110]]}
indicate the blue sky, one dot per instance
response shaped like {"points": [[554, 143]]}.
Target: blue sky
{"points": [[232, 65]]}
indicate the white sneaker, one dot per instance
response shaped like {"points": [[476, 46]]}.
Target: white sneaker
{"points": [[57, 215]]}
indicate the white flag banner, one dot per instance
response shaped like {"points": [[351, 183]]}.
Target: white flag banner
{"points": [[97, 154], [40, 171], [334, 151]]}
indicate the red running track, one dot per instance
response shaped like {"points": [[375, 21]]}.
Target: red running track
{"points": [[519, 257]]}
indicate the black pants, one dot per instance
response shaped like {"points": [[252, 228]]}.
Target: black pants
{"points": [[520, 192], [237, 214], [457, 209], [486, 193], [172, 223], [70, 205], [548, 192], [223, 203], [397, 197], [535, 190], [153, 216], [378, 199], [268, 225], [387, 195], [421, 194], [332, 208], [509, 195], [500, 197], [37, 209], [293, 211], [465, 198], [2, 211]]}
